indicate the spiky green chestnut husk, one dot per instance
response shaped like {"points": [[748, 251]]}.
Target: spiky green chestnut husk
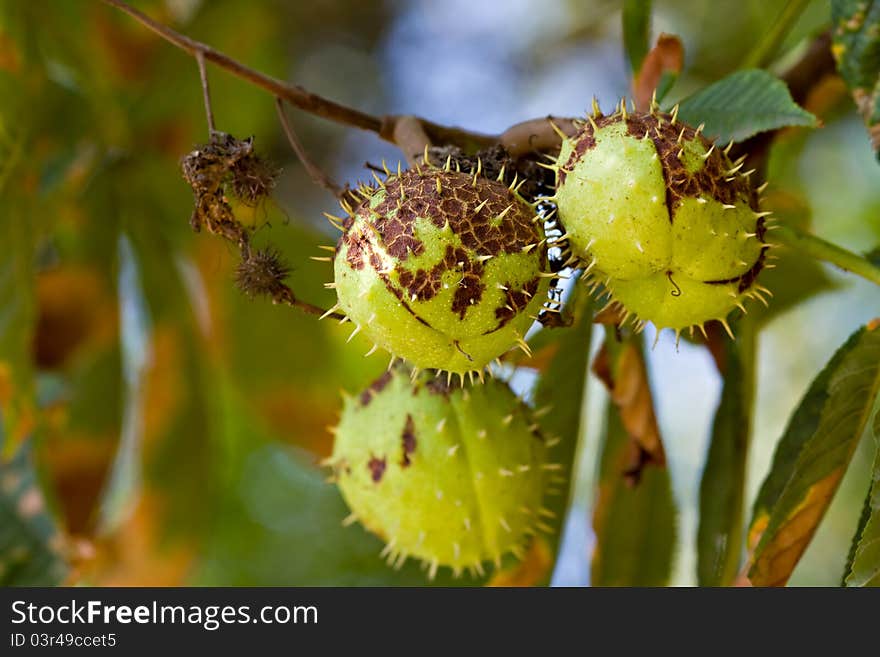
{"points": [[442, 268], [661, 217], [452, 476]]}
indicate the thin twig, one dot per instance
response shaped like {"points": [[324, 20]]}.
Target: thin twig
{"points": [[449, 135], [535, 131], [296, 95], [277, 290], [302, 98], [285, 296], [315, 173], [206, 92]]}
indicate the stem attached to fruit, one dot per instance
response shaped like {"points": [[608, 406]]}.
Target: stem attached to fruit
{"points": [[206, 92], [315, 173], [818, 248], [409, 134]]}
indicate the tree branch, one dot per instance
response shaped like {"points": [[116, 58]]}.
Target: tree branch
{"points": [[315, 173], [535, 135], [206, 92], [296, 95], [410, 136], [410, 132], [300, 97]]}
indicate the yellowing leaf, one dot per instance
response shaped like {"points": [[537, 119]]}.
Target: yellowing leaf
{"points": [[621, 367], [534, 569], [813, 455]]}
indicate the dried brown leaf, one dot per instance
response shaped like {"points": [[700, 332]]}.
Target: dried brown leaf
{"points": [[531, 571], [667, 55], [626, 378]]}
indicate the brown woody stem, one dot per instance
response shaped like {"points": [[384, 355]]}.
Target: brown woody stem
{"points": [[318, 176], [299, 97], [409, 134], [285, 296], [294, 94], [206, 92]]}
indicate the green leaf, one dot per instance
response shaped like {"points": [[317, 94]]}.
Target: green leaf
{"points": [[802, 425], [812, 456], [720, 533], [864, 567], [744, 104], [570, 364], [636, 31], [860, 530], [856, 48], [29, 541], [635, 526]]}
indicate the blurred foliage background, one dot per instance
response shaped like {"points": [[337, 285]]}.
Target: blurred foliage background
{"points": [[159, 428]]}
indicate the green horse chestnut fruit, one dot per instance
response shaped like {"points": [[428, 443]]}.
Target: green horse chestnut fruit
{"points": [[442, 268], [452, 476], [661, 217]]}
